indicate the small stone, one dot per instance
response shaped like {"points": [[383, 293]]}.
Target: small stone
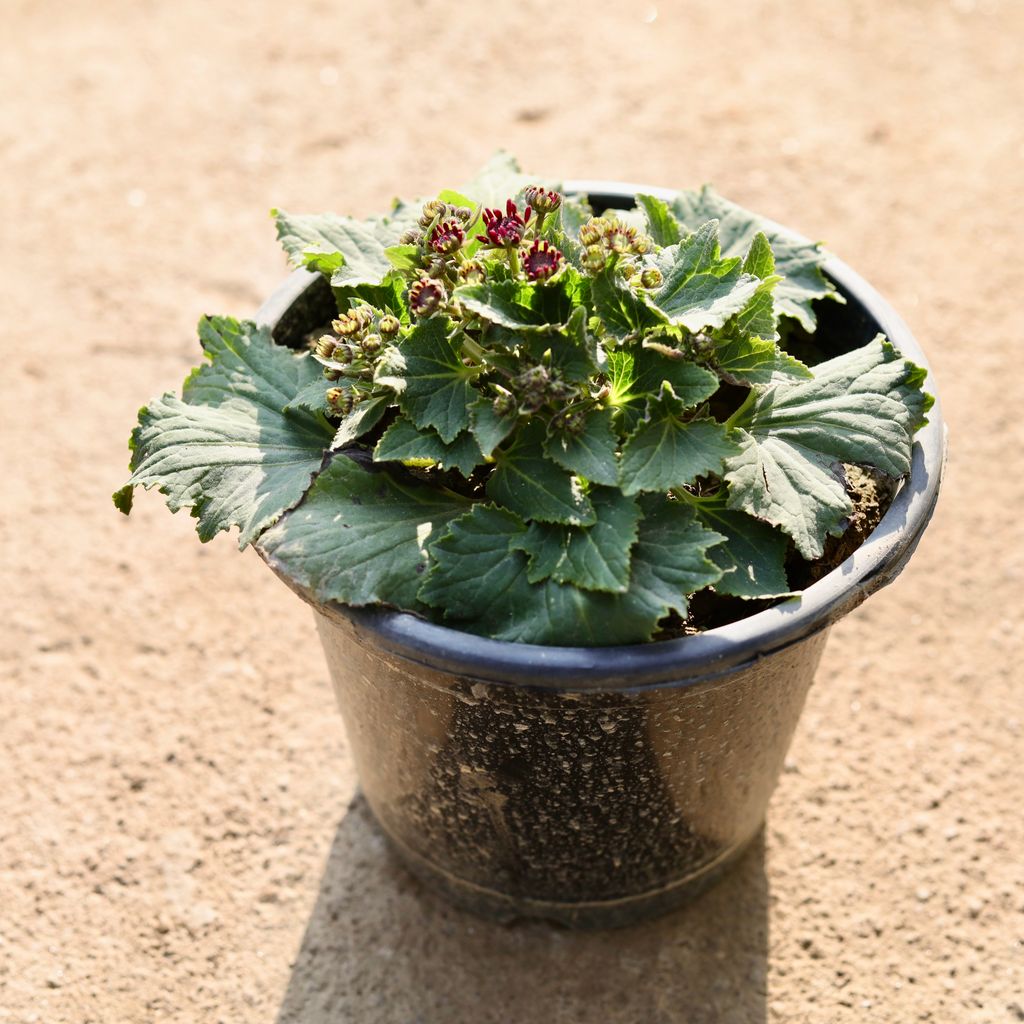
{"points": [[923, 894]]}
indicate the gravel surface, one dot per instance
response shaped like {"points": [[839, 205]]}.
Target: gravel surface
{"points": [[181, 838]]}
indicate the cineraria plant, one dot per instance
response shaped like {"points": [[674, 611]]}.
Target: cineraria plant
{"points": [[533, 423]]}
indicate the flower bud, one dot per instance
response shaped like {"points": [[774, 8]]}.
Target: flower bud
{"points": [[371, 344], [432, 209], [504, 405], [447, 237], [651, 278], [594, 258], [354, 321], [344, 352], [543, 200], [389, 326], [332, 374], [427, 296], [472, 272], [324, 348], [341, 400], [590, 233], [410, 237], [463, 213]]}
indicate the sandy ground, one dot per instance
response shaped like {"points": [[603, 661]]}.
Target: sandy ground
{"points": [[181, 837]]}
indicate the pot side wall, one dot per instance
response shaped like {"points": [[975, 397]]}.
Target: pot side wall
{"points": [[586, 807]]}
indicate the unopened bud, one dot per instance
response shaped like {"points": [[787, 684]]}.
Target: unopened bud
{"points": [[593, 258], [344, 352], [427, 296], [389, 326], [472, 272], [504, 405], [543, 200], [411, 237], [371, 344], [651, 278], [463, 213], [432, 209], [590, 233], [332, 374], [341, 400], [324, 348]]}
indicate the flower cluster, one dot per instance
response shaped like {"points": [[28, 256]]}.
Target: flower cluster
{"points": [[350, 354]]}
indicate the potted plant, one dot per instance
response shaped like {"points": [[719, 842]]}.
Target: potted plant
{"points": [[576, 480]]}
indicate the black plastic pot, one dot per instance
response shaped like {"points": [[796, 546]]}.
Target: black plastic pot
{"points": [[595, 786]]}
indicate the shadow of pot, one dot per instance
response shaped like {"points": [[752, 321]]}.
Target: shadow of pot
{"points": [[594, 786]]}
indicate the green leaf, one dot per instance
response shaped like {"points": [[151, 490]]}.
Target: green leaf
{"points": [[591, 453], [622, 310], [760, 260], [433, 385], [700, 288], [313, 397], [594, 557], [636, 378], [361, 420], [483, 585], [666, 451], [404, 441], [757, 318], [751, 360], [361, 536], [326, 263], [403, 257], [531, 485], [507, 303], [861, 407], [799, 262], [488, 427], [752, 559], [798, 490], [662, 225], [226, 451], [574, 352], [360, 243]]}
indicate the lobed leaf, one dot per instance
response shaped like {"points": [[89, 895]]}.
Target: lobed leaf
{"points": [[226, 450], [360, 536]]}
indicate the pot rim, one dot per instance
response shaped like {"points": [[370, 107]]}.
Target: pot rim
{"points": [[690, 659]]}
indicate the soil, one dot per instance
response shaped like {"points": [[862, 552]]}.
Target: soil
{"points": [[181, 838]]}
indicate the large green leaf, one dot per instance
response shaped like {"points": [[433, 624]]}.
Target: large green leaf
{"points": [[622, 310], [405, 442], [225, 450], [489, 428], [361, 536], [637, 377], [591, 557], [752, 360], [861, 407], [666, 450], [797, 261], [700, 288], [526, 481], [483, 586], [753, 557], [433, 385], [316, 239], [662, 225], [592, 452], [361, 420]]}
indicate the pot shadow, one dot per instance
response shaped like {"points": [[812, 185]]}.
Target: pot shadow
{"points": [[379, 947]]}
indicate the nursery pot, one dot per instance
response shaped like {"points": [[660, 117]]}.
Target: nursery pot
{"points": [[594, 786]]}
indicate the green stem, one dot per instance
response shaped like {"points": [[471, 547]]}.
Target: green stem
{"points": [[513, 261], [742, 410]]}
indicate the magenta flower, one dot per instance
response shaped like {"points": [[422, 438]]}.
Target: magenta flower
{"points": [[504, 230], [541, 260], [447, 237]]}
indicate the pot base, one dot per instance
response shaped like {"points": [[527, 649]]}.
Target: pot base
{"points": [[619, 913]]}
